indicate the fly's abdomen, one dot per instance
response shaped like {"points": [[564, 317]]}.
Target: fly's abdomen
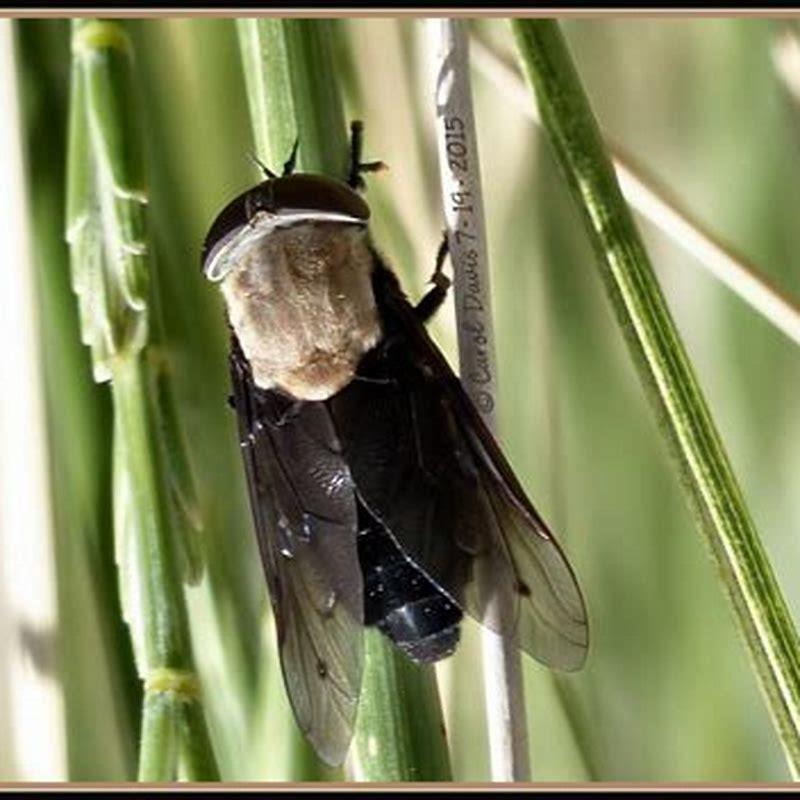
{"points": [[402, 601]]}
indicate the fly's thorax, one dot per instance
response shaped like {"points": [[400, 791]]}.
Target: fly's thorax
{"points": [[301, 303]]}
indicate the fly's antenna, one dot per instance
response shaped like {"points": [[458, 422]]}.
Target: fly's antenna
{"points": [[288, 167], [268, 173]]}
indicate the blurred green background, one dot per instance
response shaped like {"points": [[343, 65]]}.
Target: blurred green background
{"points": [[667, 693]]}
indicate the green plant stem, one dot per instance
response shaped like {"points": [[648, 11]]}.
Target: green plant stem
{"points": [[664, 367], [165, 623], [399, 735], [196, 753], [159, 750], [173, 731], [293, 93], [139, 483], [110, 268]]}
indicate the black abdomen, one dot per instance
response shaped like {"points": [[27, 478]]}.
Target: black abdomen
{"points": [[401, 600]]}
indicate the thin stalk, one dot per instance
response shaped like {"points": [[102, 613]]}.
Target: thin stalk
{"points": [[462, 200], [175, 732], [197, 761], [159, 750], [399, 718], [665, 370], [141, 507], [657, 204], [294, 93], [106, 230]]}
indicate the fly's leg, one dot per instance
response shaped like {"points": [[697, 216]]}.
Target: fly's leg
{"points": [[355, 180], [434, 298]]}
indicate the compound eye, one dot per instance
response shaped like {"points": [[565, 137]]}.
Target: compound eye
{"points": [[318, 193], [228, 223], [231, 224]]}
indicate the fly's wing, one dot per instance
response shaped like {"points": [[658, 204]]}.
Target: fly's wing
{"points": [[426, 466], [305, 518]]}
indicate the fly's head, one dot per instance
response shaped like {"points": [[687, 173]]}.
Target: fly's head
{"points": [[275, 204]]}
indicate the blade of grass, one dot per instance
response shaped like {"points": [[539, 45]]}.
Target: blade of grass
{"points": [[658, 205], [293, 92], [747, 577], [463, 210], [110, 270], [400, 733]]}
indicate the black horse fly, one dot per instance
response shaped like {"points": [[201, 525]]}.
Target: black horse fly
{"points": [[378, 494]]}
